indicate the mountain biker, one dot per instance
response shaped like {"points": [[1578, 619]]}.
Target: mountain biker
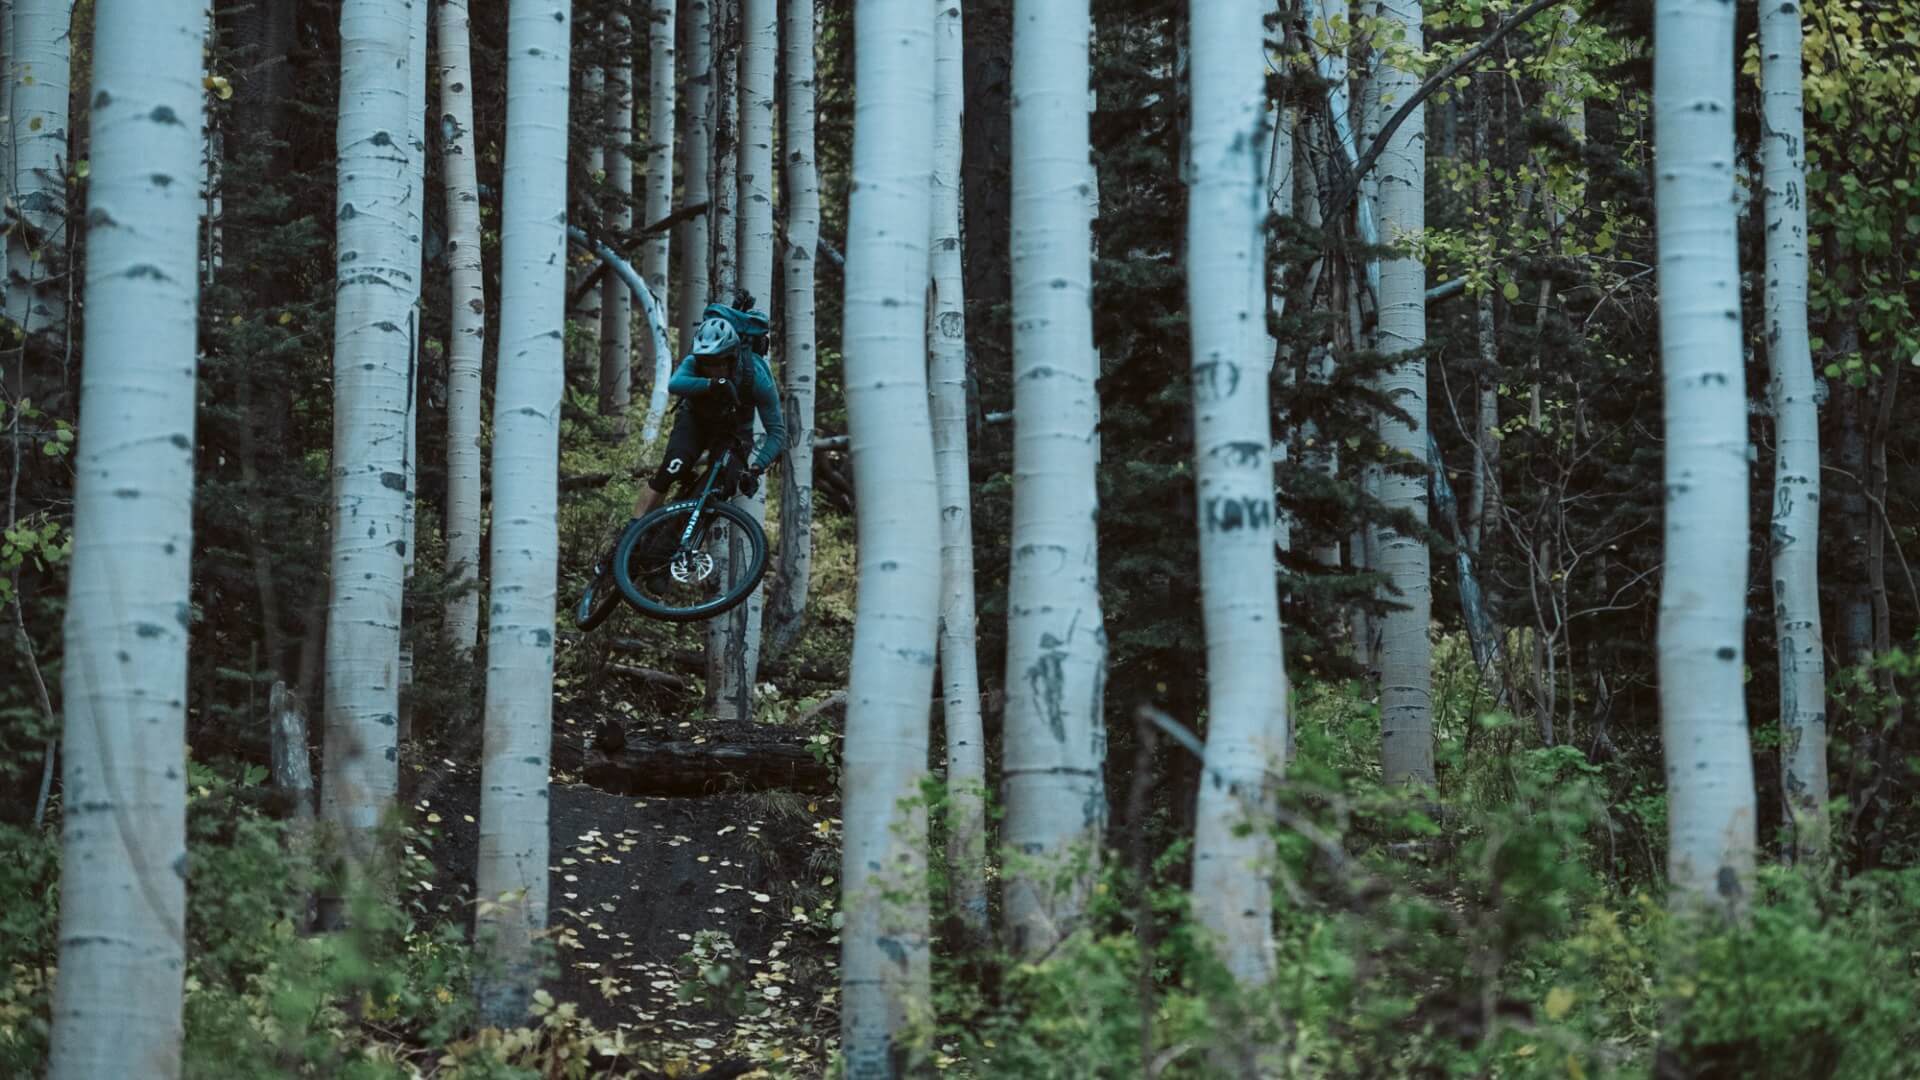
{"points": [[721, 384]]}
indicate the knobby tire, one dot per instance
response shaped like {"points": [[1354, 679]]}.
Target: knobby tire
{"points": [[673, 515]]}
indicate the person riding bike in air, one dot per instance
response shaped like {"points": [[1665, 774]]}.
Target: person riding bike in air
{"points": [[721, 384]]}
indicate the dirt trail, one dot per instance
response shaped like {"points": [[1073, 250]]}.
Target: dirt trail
{"points": [[639, 883]]}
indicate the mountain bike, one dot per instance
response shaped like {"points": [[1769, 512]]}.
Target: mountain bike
{"points": [[685, 561]]}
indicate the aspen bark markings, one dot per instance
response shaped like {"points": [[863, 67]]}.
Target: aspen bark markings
{"points": [[959, 668], [884, 944], [1056, 635], [511, 869], [1703, 716], [117, 1003], [1796, 487]]}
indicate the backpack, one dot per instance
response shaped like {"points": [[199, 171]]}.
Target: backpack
{"points": [[754, 328]]}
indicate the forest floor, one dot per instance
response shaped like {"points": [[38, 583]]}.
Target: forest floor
{"points": [[701, 928]]}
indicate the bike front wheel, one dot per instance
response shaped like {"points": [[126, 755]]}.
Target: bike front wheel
{"points": [[677, 578]]}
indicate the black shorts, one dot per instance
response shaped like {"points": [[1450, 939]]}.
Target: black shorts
{"points": [[691, 438]]}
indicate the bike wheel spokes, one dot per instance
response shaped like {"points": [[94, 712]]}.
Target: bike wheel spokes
{"points": [[671, 567], [675, 573]]}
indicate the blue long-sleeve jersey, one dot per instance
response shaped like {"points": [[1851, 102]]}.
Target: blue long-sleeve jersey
{"points": [[765, 399]]}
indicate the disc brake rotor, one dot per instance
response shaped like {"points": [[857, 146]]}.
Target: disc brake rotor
{"points": [[690, 568]]}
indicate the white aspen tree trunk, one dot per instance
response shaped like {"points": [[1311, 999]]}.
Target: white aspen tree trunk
{"points": [[616, 303], [959, 669], [725, 685], [798, 358], [724, 183], [511, 870], [123, 903], [759, 45], [466, 349], [1406, 649], [1703, 716], [42, 74], [416, 231], [884, 967], [376, 265], [1233, 473], [740, 630], [696, 163], [1796, 465], [656, 256], [1056, 637]]}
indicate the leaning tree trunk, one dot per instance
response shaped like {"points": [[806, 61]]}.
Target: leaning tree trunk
{"points": [[376, 264], [42, 72], [123, 903], [467, 342], [803, 233], [1056, 637], [1796, 467], [511, 871], [1703, 716], [696, 162], [656, 255], [884, 967], [1406, 651], [739, 638], [616, 303], [959, 672], [1233, 474]]}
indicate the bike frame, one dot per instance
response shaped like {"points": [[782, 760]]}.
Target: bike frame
{"points": [[722, 459]]}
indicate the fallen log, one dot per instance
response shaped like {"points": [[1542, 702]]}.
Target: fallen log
{"points": [[588, 480], [696, 663], [686, 769], [649, 675]]}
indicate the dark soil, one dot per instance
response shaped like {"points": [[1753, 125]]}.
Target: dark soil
{"points": [[638, 883]]}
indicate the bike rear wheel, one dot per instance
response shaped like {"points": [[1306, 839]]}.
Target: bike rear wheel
{"points": [[597, 603], [714, 572], [602, 596]]}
